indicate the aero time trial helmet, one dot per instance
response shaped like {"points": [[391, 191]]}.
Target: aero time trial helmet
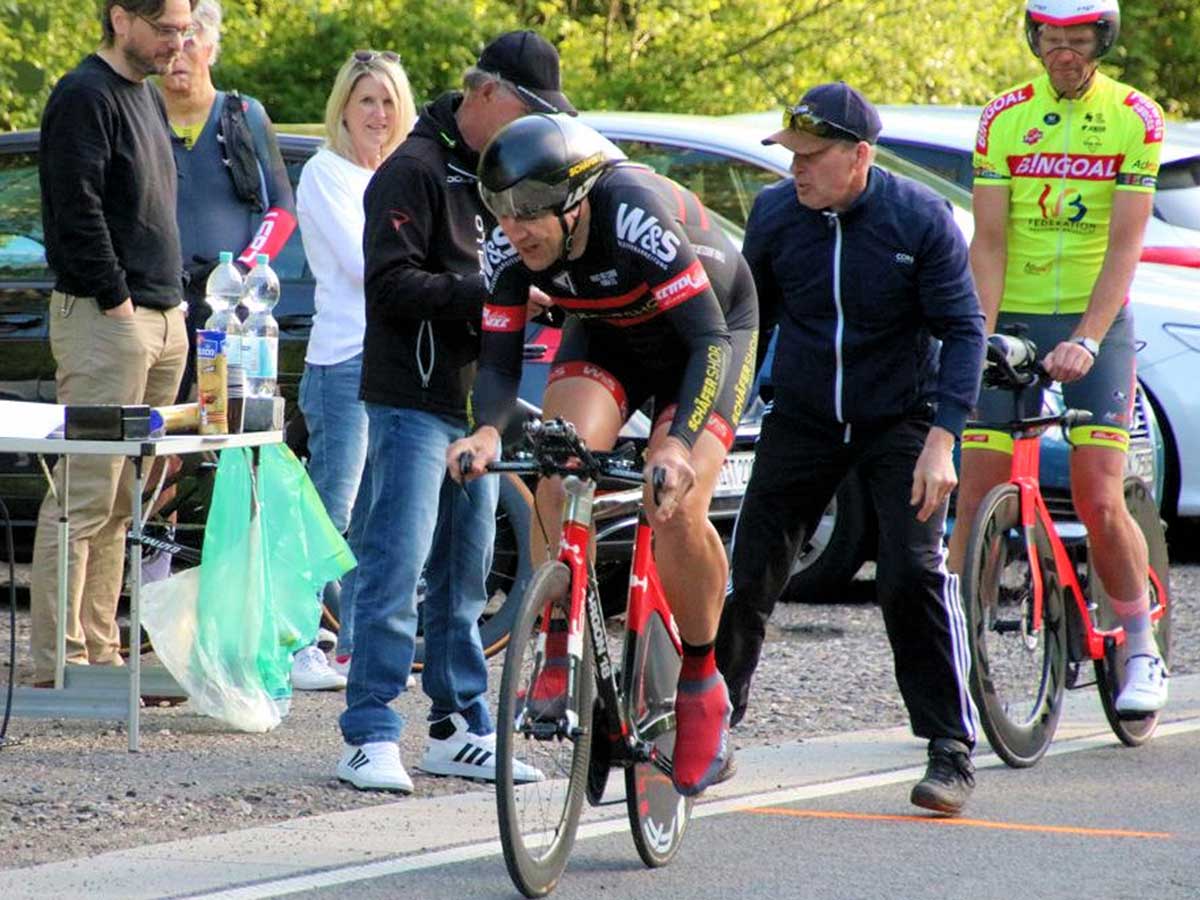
{"points": [[540, 163], [1104, 15]]}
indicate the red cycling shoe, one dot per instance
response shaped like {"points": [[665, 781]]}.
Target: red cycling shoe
{"points": [[703, 754]]}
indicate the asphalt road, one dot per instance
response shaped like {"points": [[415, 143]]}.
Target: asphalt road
{"points": [[826, 818], [1104, 822]]}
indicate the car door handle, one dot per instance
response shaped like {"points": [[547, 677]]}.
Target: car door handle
{"points": [[17, 321]]}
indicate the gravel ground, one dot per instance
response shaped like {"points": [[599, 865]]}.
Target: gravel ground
{"points": [[70, 789]]}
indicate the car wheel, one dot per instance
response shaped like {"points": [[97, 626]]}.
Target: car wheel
{"points": [[827, 560]]}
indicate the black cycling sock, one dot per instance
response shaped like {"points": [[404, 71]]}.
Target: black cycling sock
{"points": [[697, 649]]}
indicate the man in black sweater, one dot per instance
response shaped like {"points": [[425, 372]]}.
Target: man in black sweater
{"points": [[116, 327], [423, 242]]}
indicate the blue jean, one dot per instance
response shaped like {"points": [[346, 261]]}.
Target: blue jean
{"points": [[337, 456], [418, 515]]}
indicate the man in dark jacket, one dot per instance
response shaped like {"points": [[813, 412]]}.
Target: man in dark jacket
{"points": [[864, 272], [425, 230]]}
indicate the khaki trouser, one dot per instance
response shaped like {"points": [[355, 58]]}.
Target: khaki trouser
{"points": [[100, 360]]}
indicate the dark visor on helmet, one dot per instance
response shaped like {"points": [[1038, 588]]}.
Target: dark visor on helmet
{"points": [[527, 199]]}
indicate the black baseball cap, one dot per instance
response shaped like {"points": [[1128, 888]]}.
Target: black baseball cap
{"points": [[530, 63], [834, 110]]}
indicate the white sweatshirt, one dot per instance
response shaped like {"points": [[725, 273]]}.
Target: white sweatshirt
{"points": [[329, 207]]}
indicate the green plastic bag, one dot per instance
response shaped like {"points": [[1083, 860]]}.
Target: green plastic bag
{"points": [[227, 630], [303, 551]]}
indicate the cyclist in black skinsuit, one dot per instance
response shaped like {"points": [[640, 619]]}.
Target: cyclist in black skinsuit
{"points": [[661, 305]]}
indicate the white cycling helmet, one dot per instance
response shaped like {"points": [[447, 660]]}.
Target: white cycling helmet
{"points": [[1105, 15]]}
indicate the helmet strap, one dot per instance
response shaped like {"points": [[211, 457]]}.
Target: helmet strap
{"points": [[568, 235]]}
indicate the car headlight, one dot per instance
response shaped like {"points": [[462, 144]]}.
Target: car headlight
{"points": [[1188, 335]]}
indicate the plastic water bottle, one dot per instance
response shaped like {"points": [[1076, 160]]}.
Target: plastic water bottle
{"points": [[260, 332], [223, 293]]}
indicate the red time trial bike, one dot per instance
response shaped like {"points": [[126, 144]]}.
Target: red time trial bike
{"points": [[600, 714], [1037, 613]]}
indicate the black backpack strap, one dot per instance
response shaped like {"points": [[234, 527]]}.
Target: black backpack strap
{"points": [[237, 150]]}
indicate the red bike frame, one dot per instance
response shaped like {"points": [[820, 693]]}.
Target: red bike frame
{"points": [[1025, 462]]}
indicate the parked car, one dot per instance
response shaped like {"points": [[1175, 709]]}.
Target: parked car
{"points": [[1166, 307], [721, 159]]}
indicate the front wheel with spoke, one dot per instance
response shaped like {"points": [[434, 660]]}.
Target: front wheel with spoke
{"points": [[658, 814], [538, 818], [1110, 671], [1017, 665]]}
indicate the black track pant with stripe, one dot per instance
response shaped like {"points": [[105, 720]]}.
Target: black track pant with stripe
{"points": [[799, 463]]}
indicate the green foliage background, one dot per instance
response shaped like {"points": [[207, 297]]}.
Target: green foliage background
{"points": [[699, 56]]}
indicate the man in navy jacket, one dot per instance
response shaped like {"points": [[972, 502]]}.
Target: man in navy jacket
{"points": [[877, 365]]}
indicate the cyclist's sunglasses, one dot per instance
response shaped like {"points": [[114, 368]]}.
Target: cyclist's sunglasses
{"points": [[801, 118], [366, 56]]}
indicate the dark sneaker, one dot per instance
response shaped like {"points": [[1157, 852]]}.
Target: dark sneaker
{"points": [[949, 778], [702, 748]]}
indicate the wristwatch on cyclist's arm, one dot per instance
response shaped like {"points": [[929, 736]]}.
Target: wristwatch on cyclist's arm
{"points": [[1091, 345]]}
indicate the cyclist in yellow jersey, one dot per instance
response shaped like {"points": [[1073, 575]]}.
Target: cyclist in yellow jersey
{"points": [[1065, 171]]}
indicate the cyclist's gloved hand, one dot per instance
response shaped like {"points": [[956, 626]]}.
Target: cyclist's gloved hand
{"points": [[1068, 362], [478, 450], [674, 458]]}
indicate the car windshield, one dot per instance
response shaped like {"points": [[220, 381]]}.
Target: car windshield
{"points": [[22, 254], [1178, 198]]}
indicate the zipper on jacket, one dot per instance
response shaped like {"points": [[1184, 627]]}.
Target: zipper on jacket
{"points": [[839, 332], [426, 372]]}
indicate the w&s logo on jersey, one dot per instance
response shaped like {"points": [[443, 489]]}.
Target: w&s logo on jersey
{"points": [[496, 255], [643, 232]]}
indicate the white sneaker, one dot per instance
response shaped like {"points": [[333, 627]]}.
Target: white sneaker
{"points": [[1145, 689], [374, 767], [469, 756], [311, 672], [341, 665]]}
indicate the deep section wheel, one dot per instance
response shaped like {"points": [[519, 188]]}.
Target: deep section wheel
{"points": [[1017, 664]]}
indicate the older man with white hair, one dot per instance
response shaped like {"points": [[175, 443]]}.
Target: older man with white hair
{"points": [[234, 192]]}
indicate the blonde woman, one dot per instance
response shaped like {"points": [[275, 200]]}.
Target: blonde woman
{"points": [[369, 112]]}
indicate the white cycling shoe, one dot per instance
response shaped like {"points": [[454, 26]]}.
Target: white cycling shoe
{"points": [[1145, 689]]}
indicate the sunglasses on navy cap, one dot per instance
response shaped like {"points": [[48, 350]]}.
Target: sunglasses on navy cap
{"points": [[801, 118]]}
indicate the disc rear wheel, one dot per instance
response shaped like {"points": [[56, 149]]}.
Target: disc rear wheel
{"points": [[1017, 665], [658, 814]]}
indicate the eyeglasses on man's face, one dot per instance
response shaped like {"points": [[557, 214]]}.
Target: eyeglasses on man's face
{"points": [[169, 32], [1081, 42], [801, 118]]}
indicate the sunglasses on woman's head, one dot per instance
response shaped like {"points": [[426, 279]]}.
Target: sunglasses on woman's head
{"points": [[366, 56]]}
